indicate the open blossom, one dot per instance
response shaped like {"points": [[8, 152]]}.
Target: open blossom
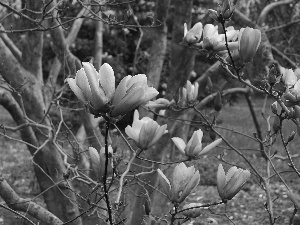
{"points": [[231, 183], [91, 87], [182, 182], [97, 90], [249, 41], [193, 148], [212, 40], [193, 35], [145, 132]]}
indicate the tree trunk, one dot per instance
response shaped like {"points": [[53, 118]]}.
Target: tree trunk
{"points": [[182, 62], [48, 161]]}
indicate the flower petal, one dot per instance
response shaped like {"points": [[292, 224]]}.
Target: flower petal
{"points": [[147, 134], [107, 80], [150, 93], [99, 98], [210, 146], [221, 180], [158, 134], [192, 183], [180, 144], [165, 183], [121, 90], [95, 161], [77, 91], [132, 133], [129, 102], [83, 83]]}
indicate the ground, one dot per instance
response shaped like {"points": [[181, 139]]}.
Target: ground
{"points": [[246, 208]]}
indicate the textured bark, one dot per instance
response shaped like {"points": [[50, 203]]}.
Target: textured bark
{"points": [[158, 47], [49, 166], [12, 199], [182, 62]]}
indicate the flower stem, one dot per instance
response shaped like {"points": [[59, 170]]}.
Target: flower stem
{"points": [[105, 175]]}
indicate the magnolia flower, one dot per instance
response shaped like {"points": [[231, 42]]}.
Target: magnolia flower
{"points": [[288, 77], [194, 34], [145, 132], [93, 88], [98, 161], [97, 90], [192, 210], [193, 148], [192, 91], [212, 40], [230, 184], [159, 104], [131, 93], [249, 40], [183, 181]]}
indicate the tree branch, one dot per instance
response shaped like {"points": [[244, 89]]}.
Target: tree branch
{"points": [[268, 8], [16, 203]]}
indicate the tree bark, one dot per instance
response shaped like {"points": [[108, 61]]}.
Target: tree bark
{"points": [[158, 47], [48, 163], [182, 62]]}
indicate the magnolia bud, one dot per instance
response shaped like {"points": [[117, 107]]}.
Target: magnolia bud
{"points": [[249, 41], [218, 102]]}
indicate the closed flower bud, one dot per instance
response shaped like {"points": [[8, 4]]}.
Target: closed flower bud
{"points": [[249, 41], [227, 9], [231, 183], [159, 104], [193, 148], [213, 14], [145, 132], [182, 182], [192, 210], [288, 77], [194, 34], [218, 102], [192, 91]]}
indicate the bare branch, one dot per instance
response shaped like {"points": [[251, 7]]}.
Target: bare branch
{"points": [[16, 203], [268, 8]]}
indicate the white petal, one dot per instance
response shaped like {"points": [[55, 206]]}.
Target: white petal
{"points": [[121, 90], [210, 146], [77, 91], [180, 144], [107, 80]]}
